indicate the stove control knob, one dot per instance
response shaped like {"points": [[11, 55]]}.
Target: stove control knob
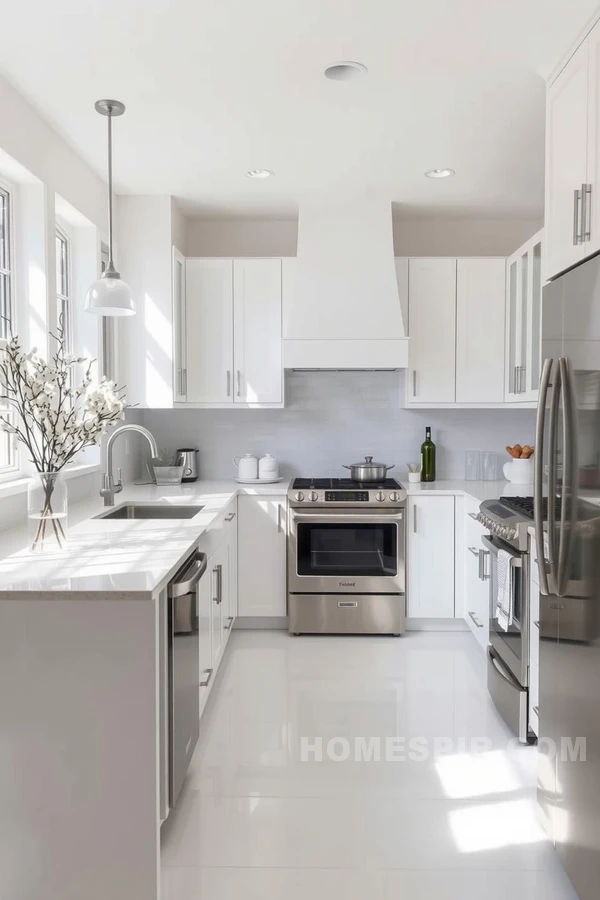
{"points": [[394, 496], [300, 496], [380, 496], [313, 496]]}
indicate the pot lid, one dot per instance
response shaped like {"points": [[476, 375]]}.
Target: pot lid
{"points": [[368, 462]]}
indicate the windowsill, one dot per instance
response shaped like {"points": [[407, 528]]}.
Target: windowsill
{"points": [[18, 485]]}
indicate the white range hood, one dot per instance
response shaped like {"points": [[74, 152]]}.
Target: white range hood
{"points": [[345, 309]]}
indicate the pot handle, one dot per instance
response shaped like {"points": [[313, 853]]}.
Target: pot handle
{"points": [[391, 467], [236, 460], [346, 467]]}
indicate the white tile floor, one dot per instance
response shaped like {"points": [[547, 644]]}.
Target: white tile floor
{"points": [[255, 821]]}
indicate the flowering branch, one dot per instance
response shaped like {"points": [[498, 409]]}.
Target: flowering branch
{"points": [[55, 421]]}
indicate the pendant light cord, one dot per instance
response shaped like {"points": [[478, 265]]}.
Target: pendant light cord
{"points": [[110, 266]]}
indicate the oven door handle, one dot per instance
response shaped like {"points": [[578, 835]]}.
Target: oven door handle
{"points": [[318, 517], [515, 561]]}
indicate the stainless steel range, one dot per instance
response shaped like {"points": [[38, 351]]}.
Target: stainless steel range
{"points": [[346, 556], [508, 521]]}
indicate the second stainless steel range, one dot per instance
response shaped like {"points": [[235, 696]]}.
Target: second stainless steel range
{"points": [[346, 557]]}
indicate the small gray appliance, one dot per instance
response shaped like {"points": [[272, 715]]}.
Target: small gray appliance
{"points": [[188, 457]]}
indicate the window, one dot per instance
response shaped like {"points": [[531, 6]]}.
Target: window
{"points": [[8, 449], [6, 305], [63, 287]]}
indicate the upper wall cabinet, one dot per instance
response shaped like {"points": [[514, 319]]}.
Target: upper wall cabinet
{"points": [[232, 332], [456, 327], [432, 330], [572, 216], [480, 299], [523, 322]]}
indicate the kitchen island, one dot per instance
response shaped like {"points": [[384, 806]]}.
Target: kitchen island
{"points": [[82, 674]]}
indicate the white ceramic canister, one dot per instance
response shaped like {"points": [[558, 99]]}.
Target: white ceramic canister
{"points": [[247, 466], [268, 467], [519, 471]]}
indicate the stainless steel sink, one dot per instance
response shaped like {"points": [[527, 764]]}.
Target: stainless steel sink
{"points": [[151, 511]]}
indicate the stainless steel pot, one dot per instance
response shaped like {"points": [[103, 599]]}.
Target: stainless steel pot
{"points": [[368, 470]]}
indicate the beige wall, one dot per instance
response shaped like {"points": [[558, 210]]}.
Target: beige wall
{"points": [[412, 237]]}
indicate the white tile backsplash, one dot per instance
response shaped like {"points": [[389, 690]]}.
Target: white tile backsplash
{"points": [[331, 418]]}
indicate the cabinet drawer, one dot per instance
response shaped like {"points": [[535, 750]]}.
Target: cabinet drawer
{"points": [[534, 696]]}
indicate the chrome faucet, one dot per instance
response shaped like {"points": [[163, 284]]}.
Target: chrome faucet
{"points": [[109, 488]]}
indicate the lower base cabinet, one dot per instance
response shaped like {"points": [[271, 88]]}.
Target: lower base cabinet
{"points": [[217, 602], [476, 580], [262, 555], [430, 549]]}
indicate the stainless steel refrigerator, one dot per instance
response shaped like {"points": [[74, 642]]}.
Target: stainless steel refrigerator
{"points": [[567, 473]]}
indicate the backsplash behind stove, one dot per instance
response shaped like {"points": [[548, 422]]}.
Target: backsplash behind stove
{"points": [[331, 418]]}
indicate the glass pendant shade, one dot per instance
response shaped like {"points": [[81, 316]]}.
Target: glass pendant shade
{"points": [[110, 297]]}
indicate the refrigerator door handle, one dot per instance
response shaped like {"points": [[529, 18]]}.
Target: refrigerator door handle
{"points": [[556, 385], [538, 500], [568, 510]]}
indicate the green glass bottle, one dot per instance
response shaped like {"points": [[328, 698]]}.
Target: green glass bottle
{"points": [[428, 457]]}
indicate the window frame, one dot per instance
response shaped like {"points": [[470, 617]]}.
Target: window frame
{"points": [[64, 300], [13, 469]]}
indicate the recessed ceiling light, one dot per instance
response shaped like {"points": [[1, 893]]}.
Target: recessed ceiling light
{"points": [[259, 173], [345, 71], [440, 173]]}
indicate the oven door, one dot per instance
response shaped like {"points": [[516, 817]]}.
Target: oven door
{"points": [[346, 551], [512, 645]]}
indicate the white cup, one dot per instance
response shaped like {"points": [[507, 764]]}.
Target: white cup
{"points": [[414, 477], [519, 471]]}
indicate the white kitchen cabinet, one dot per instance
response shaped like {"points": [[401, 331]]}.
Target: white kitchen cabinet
{"points": [[572, 216], [219, 577], [209, 330], [262, 555], [430, 547], [524, 322], [432, 325], [233, 332], [480, 315], [231, 598], [179, 326], [476, 580], [257, 331], [205, 604]]}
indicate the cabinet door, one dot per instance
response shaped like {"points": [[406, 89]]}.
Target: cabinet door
{"points": [[592, 244], [179, 328], [218, 575], [513, 358], [533, 348], [232, 586], [480, 316], [432, 324], [262, 556], [477, 585], [257, 331], [209, 326], [205, 603], [566, 162], [431, 557]]}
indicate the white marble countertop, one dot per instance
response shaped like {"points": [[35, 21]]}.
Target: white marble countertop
{"points": [[117, 557], [479, 490]]}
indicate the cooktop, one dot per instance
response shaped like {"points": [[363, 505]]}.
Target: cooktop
{"points": [[341, 483]]}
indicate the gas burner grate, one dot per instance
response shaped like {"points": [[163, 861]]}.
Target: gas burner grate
{"points": [[525, 505]]}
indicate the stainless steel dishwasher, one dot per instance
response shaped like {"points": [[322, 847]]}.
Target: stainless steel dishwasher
{"points": [[184, 670]]}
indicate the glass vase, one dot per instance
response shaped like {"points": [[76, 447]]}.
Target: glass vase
{"points": [[47, 512]]}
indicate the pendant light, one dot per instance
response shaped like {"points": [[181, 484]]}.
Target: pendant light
{"points": [[109, 295]]}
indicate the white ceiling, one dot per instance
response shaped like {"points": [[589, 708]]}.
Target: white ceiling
{"points": [[216, 87]]}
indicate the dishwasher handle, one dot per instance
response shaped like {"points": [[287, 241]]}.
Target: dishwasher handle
{"points": [[189, 576]]}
